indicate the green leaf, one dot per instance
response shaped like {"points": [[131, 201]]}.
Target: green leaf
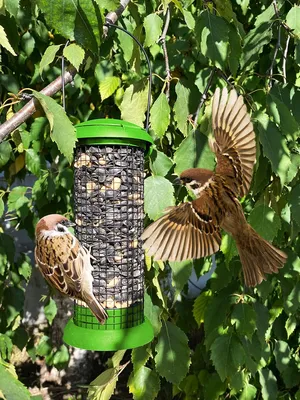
{"points": [[153, 313], [214, 388], [1, 207], [80, 22], [108, 86], [264, 220], [268, 384], [235, 50], [200, 305], [254, 42], [160, 164], [75, 54], [212, 35], [290, 325], [5, 152], [274, 146], [160, 115], [11, 387], [28, 43], [181, 271], [294, 200], [134, 103], [152, 24], [35, 163], [44, 346], [12, 6], [139, 356], [6, 346], [228, 248], [282, 355], [199, 153], [172, 358], [159, 194], [248, 393], [14, 195], [62, 130], [144, 384], [48, 56], [189, 19], [50, 310], [4, 41], [283, 117], [244, 319], [262, 317], [61, 357], [293, 20], [25, 267], [117, 358], [227, 355], [181, 107]]}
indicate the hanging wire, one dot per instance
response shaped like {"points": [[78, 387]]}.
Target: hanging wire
{"points": [[107, 23], [63, 78]]}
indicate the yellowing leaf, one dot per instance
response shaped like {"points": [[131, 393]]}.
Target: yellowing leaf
{"points": [[75, 54], [4, 41], [108, 86], [134, 104]]}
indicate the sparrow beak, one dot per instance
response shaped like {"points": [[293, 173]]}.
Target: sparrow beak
{"points": [[177, 181], [68, 223]]}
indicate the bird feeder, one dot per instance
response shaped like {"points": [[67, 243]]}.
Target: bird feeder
{"points": [[109, 211]]}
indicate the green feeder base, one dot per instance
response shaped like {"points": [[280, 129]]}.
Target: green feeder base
{"points": [[108, 340]]}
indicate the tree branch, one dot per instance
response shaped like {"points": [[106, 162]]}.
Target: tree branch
{"points": [[285, 54], [113, 16], [22, 115], [162, 39]]}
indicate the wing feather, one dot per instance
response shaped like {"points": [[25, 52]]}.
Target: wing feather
{"points": [[188, 231], [234, 145]]}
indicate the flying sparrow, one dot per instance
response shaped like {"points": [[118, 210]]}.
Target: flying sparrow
{"points": [[65, 263], [193, 229]]}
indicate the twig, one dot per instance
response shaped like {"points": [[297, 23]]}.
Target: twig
{"points": [[203, 98], [113, 16], [270, 70], [21, 116], [162, 39], [285, 58]]}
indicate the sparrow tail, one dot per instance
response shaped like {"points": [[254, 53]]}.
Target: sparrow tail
{"points": [[96, 308], [258, 257]]}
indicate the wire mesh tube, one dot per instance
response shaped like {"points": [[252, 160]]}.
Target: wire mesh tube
{"points": [[108, 193]]}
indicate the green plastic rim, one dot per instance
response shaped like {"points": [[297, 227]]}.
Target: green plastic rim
{"points": [[118, 318], [108, 340], [113, 132]]}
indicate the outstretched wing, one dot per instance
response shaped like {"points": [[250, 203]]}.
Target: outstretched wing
{"points": [[234, 143], [188, 231], [63, 263]]}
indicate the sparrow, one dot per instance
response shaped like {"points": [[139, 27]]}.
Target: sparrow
{"points": [[193, 229], [65, 263]]}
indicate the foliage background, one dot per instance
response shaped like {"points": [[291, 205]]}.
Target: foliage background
{"points": [[230, 341]]}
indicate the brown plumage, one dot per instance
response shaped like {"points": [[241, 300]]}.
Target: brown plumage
{"points": [[193, 229], [65, 263]]}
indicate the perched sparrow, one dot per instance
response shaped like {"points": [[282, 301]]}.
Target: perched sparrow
{"points": [[65, 263], [193, 229]]}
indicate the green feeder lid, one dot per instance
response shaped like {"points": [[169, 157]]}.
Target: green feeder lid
{"points": [[113, 131]]}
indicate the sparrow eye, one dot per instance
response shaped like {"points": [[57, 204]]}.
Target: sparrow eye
{"points": [[60, 228]]}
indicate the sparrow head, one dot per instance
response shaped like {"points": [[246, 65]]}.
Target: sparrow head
{"points": [[195, 178], [53, 225]]}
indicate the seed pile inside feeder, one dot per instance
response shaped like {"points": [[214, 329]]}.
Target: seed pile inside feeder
{"points": [[108, 195]]}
